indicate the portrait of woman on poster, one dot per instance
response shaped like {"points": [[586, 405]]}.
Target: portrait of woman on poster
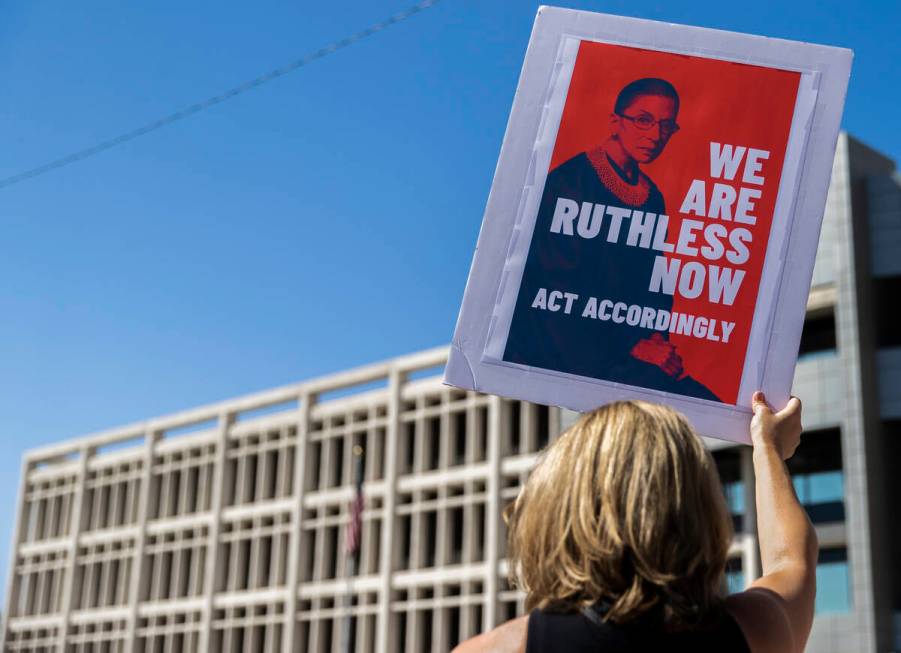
{"points": [[642, 121]]}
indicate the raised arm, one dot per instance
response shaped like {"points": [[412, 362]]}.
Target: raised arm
{"points": [[776, 613]]}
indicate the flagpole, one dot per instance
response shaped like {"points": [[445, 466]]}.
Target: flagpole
{"points": [[353, 535]]}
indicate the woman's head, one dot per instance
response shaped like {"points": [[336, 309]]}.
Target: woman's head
{"points": [[644, 118], [626, 506]]}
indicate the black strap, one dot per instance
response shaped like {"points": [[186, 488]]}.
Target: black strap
{"points": [[592, 616], [593, 612]]}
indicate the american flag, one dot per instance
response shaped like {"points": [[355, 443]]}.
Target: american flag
{"points": [[355, 521]]}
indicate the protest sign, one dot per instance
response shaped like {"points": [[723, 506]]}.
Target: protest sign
{"points": [[654, 183]]}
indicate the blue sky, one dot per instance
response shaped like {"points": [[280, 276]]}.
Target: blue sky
{"points": [[323, 221]]}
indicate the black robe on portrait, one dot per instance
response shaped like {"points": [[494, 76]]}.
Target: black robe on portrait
{"points": [[591, 268]]}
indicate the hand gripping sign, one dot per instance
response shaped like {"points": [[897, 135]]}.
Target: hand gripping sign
{"points": [[653, 221]]}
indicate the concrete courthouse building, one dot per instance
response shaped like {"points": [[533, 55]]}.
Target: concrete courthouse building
{"points": [[222, 528]]}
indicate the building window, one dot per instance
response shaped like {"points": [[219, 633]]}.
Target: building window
{"points": [[259, 466], [103, 575], [174, 564], [182, 482], [886, 293], [439, 432], [821, 493], [891, 486], [527, 428], [111, 496], [48, 508], [169, 632], [38, 583], [735, 576], [319, 624], [434, 617], [97, 636], [728, 464], [44, 638], [818, 336], [455, 513], [253, 553], [251, 628], [833, 582], [816, 470]]}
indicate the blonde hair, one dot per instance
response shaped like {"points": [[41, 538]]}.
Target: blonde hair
{"points": [[625, 507]]}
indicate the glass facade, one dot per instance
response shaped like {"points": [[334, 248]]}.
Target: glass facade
{"points": [[833, 582], [728, 464], [818, 477], [735, 576], [887, 290], [822, 495], [818, 336]]}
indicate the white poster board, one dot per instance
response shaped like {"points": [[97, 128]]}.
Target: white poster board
{"points": [[653, 221]]}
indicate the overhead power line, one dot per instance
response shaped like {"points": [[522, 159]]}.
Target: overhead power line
{"points": [[203, 105]]}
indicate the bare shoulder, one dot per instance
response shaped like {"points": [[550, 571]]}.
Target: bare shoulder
{"points": [[761, 615], [506, 638]]}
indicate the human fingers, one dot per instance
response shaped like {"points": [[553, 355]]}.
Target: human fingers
{"points": [[677, 366], [789, 419], [789, 446], [792, 409], [674, 361], [759, 404], [764, 424], [671, 367]]}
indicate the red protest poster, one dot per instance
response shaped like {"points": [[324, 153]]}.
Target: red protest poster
{"points": [[646, 257], [652, 225]]}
